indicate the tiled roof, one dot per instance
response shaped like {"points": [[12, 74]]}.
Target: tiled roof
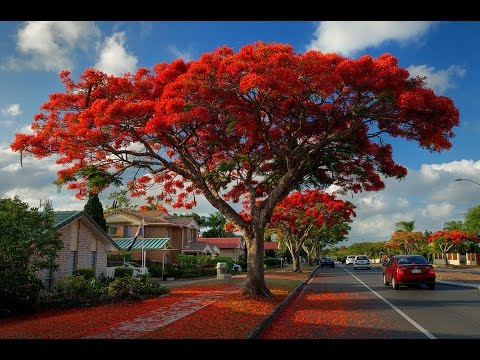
{"points": [[195, 246], [224, 243], [147, 243], [153, 217], [271, 245], [63, 218]]}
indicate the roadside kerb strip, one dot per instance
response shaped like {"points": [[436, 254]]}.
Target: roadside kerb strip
{"points": [[265, 323]]}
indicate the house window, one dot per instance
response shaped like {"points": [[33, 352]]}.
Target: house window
{"points": [[72, 262], [47, 279], [127, 231], [93, 259], [112, 230], [190, 235]]}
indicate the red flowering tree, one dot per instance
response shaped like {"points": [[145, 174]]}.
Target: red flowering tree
{"points": [[247, 126], [309, 214], [408, 241], [445, 240]]}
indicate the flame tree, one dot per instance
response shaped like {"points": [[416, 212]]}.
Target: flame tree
{"points": [[446, 240], [308, 214], [248, 126]]}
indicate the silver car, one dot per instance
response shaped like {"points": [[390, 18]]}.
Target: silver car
{"points": [[349, 259], [361, 262]]}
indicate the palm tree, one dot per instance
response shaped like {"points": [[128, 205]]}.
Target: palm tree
{"points": [[407, 226]]}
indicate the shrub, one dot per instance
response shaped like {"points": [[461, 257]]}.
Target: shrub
{"points": [[123, 271], [88, 274], [134, 288], [154, 269], [75, 289], [271, 262], [227, 260]]}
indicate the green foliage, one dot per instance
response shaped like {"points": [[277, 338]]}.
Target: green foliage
{"points": [[73, 290], [123, 271], [120, 201], [405, 226], [134, 288], [87, 273], [94, 208], [216, 226], [29, 243], [452, 225], [227, 260], [187, 261], [271, 262], [154, 269], [472, 221]]}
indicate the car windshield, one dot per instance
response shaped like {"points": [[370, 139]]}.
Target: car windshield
{"points": [[405, 260], [362, 258], [133, 264]]}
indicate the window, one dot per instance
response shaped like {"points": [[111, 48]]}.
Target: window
{"points": [[93, 259], [47, 279], [72, 262], [112, 230], [127, 231]]}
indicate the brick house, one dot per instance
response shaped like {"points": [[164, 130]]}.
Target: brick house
{"points": [[232, 247], [85, 245], [164, 236]]}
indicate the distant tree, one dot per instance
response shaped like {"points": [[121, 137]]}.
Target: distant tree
{"points": [[453, 225], [410, 242], [120, 201], [445, 240], [216, 224], [472, 221], [29, 243], [308, 214], [94, 208], [198, 218], [405, 226]]}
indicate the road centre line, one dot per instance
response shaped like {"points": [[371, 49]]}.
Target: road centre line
{"points": [[409, 319]]}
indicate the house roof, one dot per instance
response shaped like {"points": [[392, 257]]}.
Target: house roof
{"points": [[224, 243], [271, 245], [156, 217], [146, 244], [195, 246], [63, 218]]}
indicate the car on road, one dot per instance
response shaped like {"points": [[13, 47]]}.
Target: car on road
{"points": [[361, 262], [327, 261], [409, 270], [349, 259], [137, 268]]}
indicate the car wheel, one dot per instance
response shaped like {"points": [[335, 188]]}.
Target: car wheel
{"points": [[385, 282], [431, 286], [394, 283]]}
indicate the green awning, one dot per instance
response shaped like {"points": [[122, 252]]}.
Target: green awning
{"points": [[146, 244]]}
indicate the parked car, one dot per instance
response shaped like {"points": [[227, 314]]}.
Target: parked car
{"points": [[327, 261], [349, 259], [361, 262], [137, 269], [409, 270]]}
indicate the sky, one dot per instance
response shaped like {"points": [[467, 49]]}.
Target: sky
{"points": [[32, 55]]}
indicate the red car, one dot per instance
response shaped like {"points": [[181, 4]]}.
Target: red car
{"points": [[409, 270]]}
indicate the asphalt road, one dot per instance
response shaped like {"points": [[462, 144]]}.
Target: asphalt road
{"points": [[346, 303]]}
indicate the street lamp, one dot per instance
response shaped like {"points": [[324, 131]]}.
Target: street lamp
{"points": [[468, 180]]}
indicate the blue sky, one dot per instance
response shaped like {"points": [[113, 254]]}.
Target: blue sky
{"points": [[32, 54]]}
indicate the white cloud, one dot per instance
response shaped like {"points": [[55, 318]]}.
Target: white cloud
{"points": [[12, 110], [349, 37], [438, 210], [114, 58], [374, 202], [186, 55], [438, 80], [48, 45]]}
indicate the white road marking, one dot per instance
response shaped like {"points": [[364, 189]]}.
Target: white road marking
{"points": [[409, 319]]}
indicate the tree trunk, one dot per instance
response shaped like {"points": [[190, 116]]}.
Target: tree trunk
{"points": [[296, 261], [255, 286], [445, 258]]}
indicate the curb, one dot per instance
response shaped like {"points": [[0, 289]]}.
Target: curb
{"points": [[456, 283], [269, 319]]}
